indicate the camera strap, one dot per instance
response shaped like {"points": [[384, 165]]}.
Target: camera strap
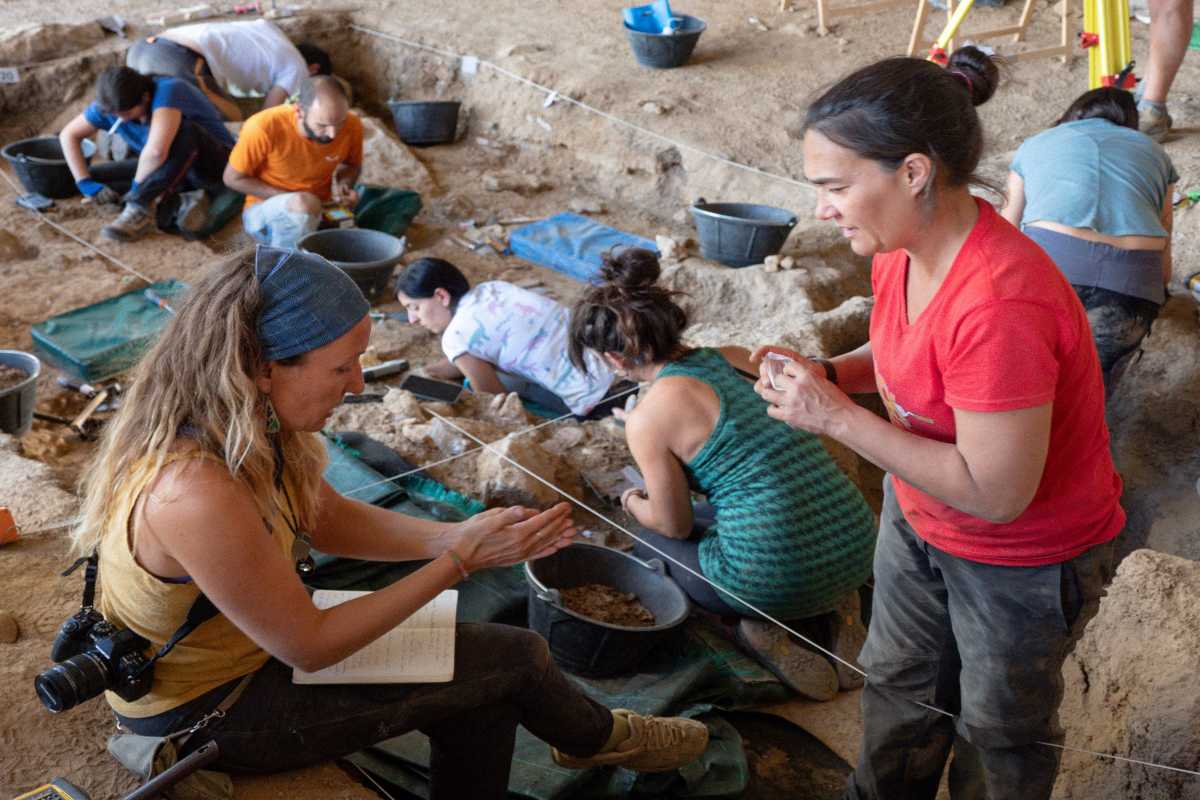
{"points": [[202, 609]]}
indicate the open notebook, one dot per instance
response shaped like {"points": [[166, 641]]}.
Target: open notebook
{"points": [[418, 650]]}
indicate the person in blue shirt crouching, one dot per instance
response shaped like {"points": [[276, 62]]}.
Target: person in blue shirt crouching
{"points": [[179, 136]]}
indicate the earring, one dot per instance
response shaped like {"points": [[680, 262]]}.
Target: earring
{"points": [[272, 418]]}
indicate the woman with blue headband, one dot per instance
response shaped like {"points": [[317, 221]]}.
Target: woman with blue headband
{"points": [[208, 477]]}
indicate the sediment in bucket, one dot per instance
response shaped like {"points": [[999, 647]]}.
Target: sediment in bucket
{"points": [[367, 256], [17, 402]]}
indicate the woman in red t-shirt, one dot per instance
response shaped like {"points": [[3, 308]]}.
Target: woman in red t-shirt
{"points": [[1001, 501]]}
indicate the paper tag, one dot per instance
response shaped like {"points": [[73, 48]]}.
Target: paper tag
{"points": [[9, 75], [470, 65]]}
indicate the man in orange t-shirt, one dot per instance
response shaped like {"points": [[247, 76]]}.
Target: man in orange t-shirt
{"points": [[291, 160]]}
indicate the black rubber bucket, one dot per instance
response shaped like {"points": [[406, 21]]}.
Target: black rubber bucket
{"points": [[589, 647], [366, 256], [740, 234], [41, 168], [431, 122], [17, 402], [666, 50]]}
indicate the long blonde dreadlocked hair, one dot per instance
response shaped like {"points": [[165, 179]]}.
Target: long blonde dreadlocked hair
{"points": [[200, 373]]}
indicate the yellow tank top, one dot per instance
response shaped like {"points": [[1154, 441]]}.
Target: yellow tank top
{"points": [[131, 597]]}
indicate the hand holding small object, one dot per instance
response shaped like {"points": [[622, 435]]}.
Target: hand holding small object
{"points": [[805, 399]]}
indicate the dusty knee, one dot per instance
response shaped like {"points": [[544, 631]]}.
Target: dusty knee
{"points": [[304, 203]]}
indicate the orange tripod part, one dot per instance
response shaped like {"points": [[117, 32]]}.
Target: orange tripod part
{"points": [[9, 532]]}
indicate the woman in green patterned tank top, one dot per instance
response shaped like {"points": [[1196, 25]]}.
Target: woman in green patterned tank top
{"points": [[783, 529]]}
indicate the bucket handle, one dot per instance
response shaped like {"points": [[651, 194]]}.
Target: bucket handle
{"points": [[549, 595]]}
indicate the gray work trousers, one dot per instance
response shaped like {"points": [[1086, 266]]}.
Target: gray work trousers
{"points": [[984, 642]]}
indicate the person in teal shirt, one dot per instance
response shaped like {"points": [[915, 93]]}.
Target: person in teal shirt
{"points": [[783, 529]]}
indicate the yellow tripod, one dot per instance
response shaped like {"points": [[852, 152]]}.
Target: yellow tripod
{"points": [[1106, 37]]}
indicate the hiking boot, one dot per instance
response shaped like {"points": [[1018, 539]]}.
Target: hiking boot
{"points": [[193, 211], [848, 636], [655, 744], [132, 224], [1154, 121], [801, 670]]}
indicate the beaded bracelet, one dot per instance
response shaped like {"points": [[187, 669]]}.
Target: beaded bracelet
{"points": [[459, 564]]}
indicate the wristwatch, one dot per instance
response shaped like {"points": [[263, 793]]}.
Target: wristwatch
{"points": [[830, 370]]}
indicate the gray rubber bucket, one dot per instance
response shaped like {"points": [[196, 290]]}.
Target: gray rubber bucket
{"points": [[41, 168], [589, 647], [16, 402], [425, 122], [666, 50], [740, 234], [366, 256]]}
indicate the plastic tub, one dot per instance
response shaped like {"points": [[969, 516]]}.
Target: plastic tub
{"points": [[589, 647], [366, 256], [41, 168], [666, 50], [740, 234], [16, 402], [425, 122]]}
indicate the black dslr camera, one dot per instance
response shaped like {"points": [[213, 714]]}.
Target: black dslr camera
{"points": [[91, 655]]}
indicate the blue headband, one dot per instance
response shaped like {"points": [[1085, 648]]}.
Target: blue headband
{"points": [[307, 302]]}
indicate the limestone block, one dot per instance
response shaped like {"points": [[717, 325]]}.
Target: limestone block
{"points": [[500, 483]]}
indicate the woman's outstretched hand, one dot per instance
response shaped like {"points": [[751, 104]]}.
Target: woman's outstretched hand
{"points": [[500, 537], [804, 399]]}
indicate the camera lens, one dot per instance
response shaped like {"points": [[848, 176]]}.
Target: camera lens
{"points": [[69, 683]]}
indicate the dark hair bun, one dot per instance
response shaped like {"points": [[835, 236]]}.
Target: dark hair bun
{"points": [[631, 268], [978, 72]]}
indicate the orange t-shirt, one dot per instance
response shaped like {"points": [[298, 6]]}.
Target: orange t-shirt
{"points": [[271, 148]]}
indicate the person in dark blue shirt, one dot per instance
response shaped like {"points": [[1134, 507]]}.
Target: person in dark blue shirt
{"points": [[179, 136]]}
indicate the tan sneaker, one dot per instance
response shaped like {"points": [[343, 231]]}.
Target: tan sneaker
{"points": [[803, 671], [849, 634], [133, 223], [655, 744]]}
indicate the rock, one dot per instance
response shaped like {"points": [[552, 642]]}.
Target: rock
{"points": [[10, 631], [797, 30], [587, 205], [787, 262], [34, 43], [13, 249], [30, 490], [403, 405], [771, 263], [843, 42], [651, 107], [501, 483], [388, 161], [1131, 685], [565, 438], [506, 410], [452, 441], [523, 185], [668, 248], [758, 24], [526, 48]]}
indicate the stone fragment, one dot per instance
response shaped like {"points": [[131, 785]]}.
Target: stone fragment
{"points": [[668, 248], [651, 107], [506, 410], [451, 441], [771, 263], [501, 483], [523, 185], [403, 405], [566, 438], [787, 262], [10, 631]]}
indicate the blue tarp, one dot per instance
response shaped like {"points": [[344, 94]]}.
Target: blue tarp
{"points": [[571, 244]]}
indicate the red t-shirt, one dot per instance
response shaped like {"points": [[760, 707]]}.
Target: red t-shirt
{"points": [[1005, 331]]}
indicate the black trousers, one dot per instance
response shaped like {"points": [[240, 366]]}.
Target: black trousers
{"points": [[196, 160], [503, 677]]}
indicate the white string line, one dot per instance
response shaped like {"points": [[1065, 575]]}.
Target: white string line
{"points": [[808, 641], [83, 242], [512, 435], [557, 95]]}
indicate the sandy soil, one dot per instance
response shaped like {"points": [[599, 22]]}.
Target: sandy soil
{"points": [[739, 98]]}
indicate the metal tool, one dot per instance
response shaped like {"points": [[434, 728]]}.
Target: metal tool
{"points": [[385, 370]]}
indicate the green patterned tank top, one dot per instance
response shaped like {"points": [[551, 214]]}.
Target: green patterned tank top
{"points": [[793, 534]]}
